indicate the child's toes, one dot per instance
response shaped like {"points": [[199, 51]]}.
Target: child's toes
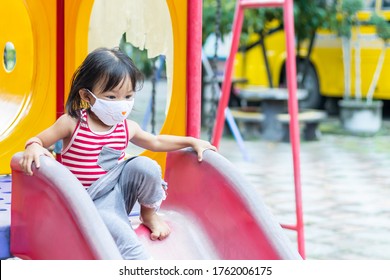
{"points": [[164, 235], [154, 236]]}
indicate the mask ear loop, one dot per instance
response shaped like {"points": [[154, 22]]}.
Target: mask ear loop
{"points": [[85, 104]]}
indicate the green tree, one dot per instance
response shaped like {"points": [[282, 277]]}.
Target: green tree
{"points": [[383, 31], [345, 19]]}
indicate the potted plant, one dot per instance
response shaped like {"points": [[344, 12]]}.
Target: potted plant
{"points": [[360, 116]]}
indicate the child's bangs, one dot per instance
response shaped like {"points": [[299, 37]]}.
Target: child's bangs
{"points": [[111, 79]]}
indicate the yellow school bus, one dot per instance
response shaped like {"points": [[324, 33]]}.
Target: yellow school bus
{"points": [[325, 75]]}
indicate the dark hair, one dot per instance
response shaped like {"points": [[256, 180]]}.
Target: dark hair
{"points": [[107, 67]]}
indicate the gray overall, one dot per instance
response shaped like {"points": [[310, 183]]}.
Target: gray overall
{"points": [[114, 194]]}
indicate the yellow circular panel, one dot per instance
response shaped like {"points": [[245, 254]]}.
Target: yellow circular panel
{"points": [[27, 93], [15, 85], [77, 33]]}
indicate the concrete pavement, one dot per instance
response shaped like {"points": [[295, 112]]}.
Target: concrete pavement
{"points": [[345, 185]]}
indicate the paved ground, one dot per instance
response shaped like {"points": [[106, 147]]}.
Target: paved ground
{"points": [[346, 193], [345, 185]]}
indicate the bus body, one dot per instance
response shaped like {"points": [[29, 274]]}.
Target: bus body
{"points": [[325, 76]]}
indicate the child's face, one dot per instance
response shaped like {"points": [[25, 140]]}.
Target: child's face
{"points": [[113, 106]]}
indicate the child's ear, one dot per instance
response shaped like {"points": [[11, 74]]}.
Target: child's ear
{"points": [[85, 96]]}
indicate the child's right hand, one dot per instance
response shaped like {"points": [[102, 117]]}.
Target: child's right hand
{"points": [[32, 154]]}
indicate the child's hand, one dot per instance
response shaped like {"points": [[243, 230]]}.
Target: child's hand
{"points": [[200, 146], [32, 154]]}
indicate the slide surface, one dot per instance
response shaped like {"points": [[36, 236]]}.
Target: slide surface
{"points": [[212, 210]]}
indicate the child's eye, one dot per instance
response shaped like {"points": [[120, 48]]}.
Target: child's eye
{"points": [[111, 97], [130, 97]]}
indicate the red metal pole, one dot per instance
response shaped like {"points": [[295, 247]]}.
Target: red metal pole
{"points": [[293, 111], [257, 3], [227, 82], [60, 63], [60, 57], [194, 66]]}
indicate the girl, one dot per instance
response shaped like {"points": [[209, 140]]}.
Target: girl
{"points": [[95, 134]]}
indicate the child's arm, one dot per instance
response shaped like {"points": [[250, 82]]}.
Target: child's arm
{"points": [[166, 143], [37, 146]]}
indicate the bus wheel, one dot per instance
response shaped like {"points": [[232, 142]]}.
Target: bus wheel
{"points": [[311, 84]]}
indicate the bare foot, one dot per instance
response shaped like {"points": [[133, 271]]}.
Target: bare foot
{"points": [[158, 227]]}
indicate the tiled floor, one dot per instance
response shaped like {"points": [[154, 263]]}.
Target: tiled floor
{"points": [[346, 191], [5, 205]]}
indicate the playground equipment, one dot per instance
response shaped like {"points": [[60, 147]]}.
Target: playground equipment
{"points": [[215, 215]]}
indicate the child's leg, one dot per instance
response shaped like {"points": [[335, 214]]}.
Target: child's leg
{"points": [[141, 180], [112, 210]]}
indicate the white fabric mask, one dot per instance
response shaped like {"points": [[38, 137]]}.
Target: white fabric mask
{"points": [[111, 112]]}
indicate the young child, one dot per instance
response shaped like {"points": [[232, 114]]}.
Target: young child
{"points": [[95, 133]]}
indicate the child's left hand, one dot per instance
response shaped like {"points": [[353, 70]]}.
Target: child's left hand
{"points": [[200, 146]]}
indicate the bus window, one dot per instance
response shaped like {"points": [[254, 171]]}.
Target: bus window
{"points": [[386, 4]]}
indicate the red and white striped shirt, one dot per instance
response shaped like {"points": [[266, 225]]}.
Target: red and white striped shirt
{"points": [[81, 154]]}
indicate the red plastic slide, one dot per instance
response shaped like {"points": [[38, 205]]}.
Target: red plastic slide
{"points": [[213, 211]]}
